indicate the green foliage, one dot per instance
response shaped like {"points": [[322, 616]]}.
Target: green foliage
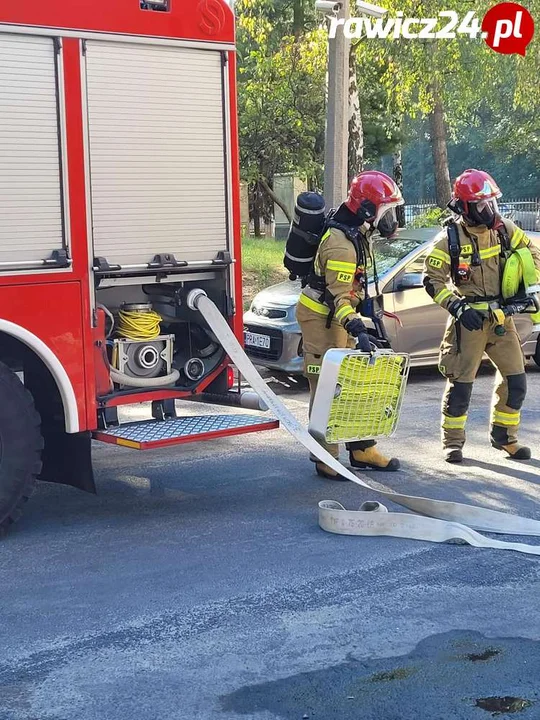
{"points": [[431, 218], [504, 145], [263, 256], [262, 265], [491, 101], [462, 71], [281, 80], [282, 62]]}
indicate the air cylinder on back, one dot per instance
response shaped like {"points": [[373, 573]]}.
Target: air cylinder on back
{"points": [[304, 234]]}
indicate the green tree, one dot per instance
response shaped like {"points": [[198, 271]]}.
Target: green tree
{"points": [[446, 81], [282, 61], [281, 78]]}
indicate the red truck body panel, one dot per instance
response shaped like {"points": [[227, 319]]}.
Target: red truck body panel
{"points": [[55, 305]]}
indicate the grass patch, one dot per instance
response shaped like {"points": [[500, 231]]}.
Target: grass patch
{"points": [[262, 265]]}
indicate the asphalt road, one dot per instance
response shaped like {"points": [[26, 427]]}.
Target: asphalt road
{"points": [[198, 586]]}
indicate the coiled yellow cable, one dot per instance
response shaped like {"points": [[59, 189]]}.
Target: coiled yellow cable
{"points": [[138, 325]]}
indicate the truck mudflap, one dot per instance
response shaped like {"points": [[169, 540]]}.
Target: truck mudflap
{"points": [[150, 434], [67, 459]]}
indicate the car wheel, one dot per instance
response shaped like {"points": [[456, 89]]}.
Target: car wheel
{"points": [[21, 444], [536, 356]]}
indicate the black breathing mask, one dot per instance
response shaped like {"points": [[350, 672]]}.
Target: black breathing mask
{"points": [[481, 212], [387, 224], [484, 212]]}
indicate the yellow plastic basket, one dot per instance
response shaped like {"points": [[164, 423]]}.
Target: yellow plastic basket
{"points": [[359, 395]]}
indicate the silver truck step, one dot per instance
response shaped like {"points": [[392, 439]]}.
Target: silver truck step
{"points": [[150, 434]]}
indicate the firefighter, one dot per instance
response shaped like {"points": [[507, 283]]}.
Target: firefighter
{"points": [[327, 307], [463, 274]]}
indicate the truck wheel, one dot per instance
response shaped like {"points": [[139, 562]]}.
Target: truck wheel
{"points": [[21, 444]]}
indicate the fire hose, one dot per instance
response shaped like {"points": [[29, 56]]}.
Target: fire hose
{"points": [[437, 520]]}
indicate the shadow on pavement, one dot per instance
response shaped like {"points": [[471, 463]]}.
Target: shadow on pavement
{"points": [[284, 384], [518, 472], [455, 675]]}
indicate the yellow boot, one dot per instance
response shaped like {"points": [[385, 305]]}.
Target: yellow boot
{"points": [[516, 451], [325, 471], [372, 459]]}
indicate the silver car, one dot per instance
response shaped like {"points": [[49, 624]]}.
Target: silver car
{"points": [[272, 335]]}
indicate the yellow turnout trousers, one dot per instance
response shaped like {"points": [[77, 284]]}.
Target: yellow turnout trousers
{"points": [[316, 340], [460, 357]]}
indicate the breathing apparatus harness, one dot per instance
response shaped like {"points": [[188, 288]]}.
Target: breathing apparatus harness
{"points": [[371, 307], [512, 302]]}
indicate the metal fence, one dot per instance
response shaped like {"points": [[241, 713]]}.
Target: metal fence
{"points": [[525, 213], [417, 210]]}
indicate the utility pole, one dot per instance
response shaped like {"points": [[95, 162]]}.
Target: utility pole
{"points": [[337, 115]]}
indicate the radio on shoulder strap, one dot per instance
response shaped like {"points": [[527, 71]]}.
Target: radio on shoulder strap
{"points": [[454, 250]]}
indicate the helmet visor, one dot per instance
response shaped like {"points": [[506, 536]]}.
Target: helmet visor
{"points": [[484, 212], [386, 221]]}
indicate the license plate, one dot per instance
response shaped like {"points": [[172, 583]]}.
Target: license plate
{"points": [[256, 340]]}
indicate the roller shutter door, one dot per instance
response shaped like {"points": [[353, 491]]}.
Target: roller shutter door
{"points": [[157, 154], [31, 223]]}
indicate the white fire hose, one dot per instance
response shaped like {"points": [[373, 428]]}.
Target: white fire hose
{"points": [[142, 382], [437, 521]]}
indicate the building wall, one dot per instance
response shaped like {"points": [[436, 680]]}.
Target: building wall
{"points": [[286, 187]]}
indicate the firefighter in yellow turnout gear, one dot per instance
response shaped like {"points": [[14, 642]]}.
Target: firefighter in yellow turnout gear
{"points": [[327, 307], [464, 276]]}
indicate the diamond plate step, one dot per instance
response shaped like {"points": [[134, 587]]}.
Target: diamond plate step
{"points": [[149, 434]]}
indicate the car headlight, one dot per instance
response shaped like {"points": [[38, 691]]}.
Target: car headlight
{"points": [[270, 313]]}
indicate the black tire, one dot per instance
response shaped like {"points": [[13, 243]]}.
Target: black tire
{"points": [[21, 444], [536, 356]]}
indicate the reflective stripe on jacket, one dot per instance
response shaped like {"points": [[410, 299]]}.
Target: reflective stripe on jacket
{"points": [[336, 261], [484, 280]]}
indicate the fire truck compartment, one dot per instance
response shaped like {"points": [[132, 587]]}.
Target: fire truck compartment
{"points": [[31, 172], [150, 434], [196, 351], [157, 147]]}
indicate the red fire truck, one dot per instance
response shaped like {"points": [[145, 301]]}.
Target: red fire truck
{"points": [[119, 193]]}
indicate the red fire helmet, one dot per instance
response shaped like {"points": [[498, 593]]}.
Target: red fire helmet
{"points": [[475, 186], [369, 191]]}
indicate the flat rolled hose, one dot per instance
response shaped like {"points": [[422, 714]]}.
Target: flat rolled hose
{"points": [[512, 277], [519, 267], [123, 379]]}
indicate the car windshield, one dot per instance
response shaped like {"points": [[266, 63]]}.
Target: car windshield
{"points": [[389, 252]]}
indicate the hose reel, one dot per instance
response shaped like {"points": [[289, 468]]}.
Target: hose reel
{"points": [[141, 356]]}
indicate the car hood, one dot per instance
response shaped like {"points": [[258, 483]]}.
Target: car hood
{"points": [[283, 294]]}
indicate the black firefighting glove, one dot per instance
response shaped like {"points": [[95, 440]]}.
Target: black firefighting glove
{"points": [[357, 329], [470, 319]]}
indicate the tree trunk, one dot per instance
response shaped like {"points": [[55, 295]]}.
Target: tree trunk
{"points": [[356, 130], [439, 150], [298, 18], [422, 179], [255, 208], [398, 178], [272, 195]]}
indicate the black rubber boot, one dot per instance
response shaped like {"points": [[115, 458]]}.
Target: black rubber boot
{"points": [[453, 455]]}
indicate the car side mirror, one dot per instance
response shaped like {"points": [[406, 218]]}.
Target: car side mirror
{"points": [[408, 281]]}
